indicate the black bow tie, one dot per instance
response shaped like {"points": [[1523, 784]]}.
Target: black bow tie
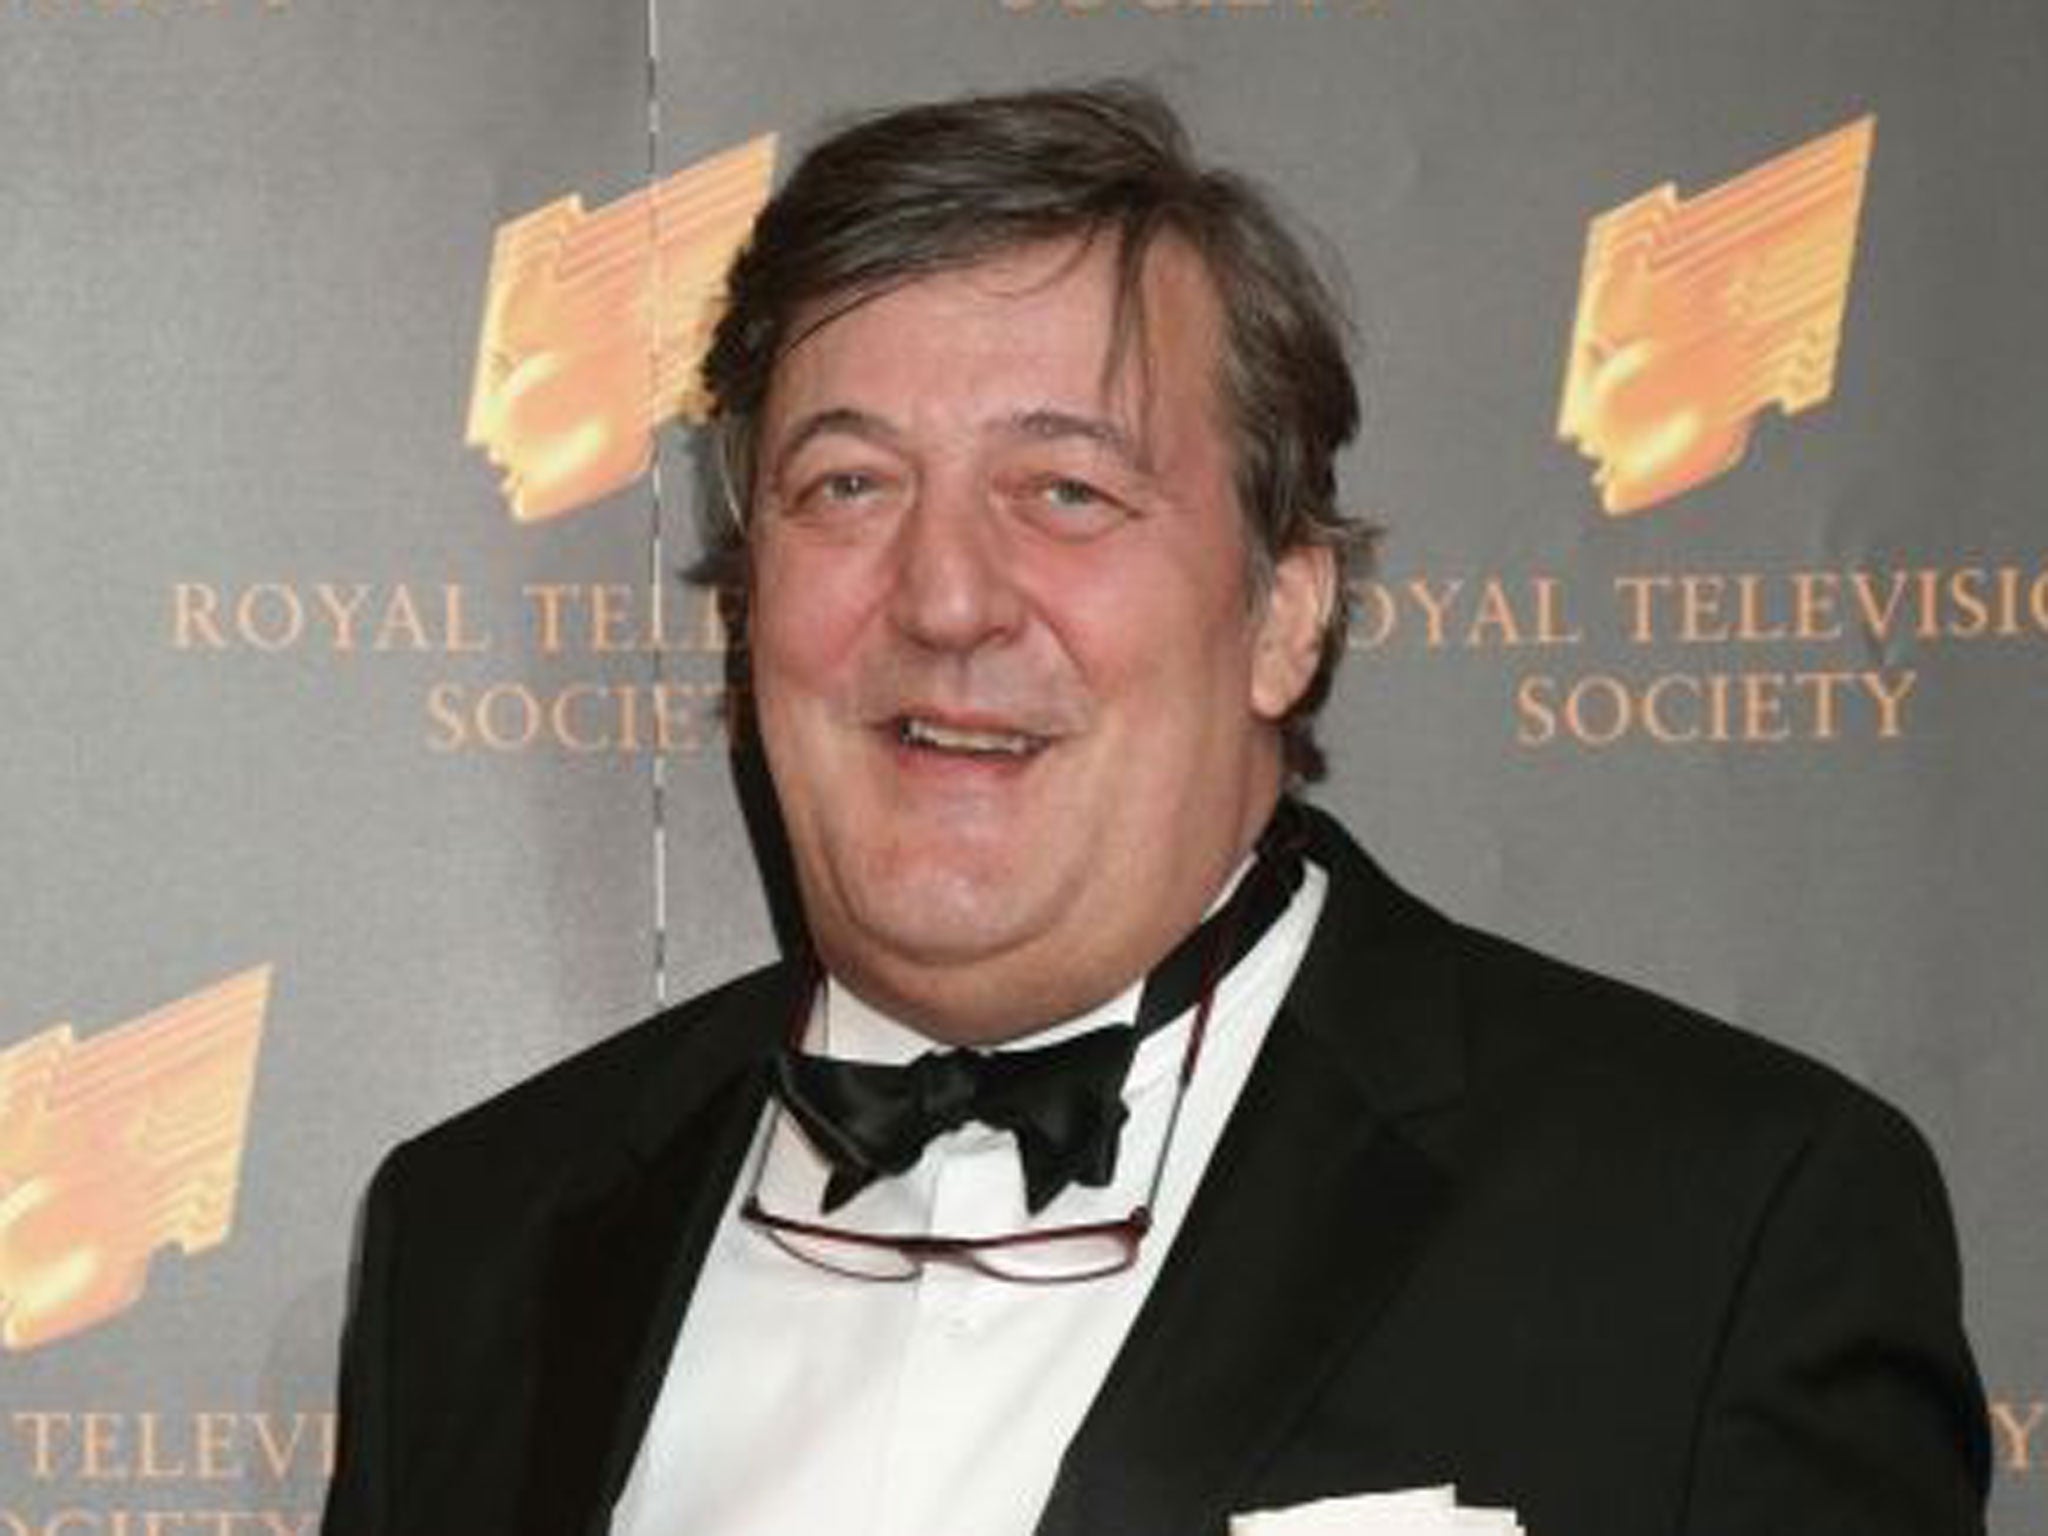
{"points": [[1063, 1102]]}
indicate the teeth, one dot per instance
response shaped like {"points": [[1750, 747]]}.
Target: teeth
{"points": [[926, 733]]}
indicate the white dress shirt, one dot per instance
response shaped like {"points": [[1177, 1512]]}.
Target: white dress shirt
{"points": [[799, 1401]]}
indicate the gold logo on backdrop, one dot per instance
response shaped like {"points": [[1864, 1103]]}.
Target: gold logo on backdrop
{"points": [[1694, 314], [113, 1147], [595, 323]]}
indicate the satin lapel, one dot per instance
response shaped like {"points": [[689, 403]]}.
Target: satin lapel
{"points": [[624, 1253], [1310, 1213]]}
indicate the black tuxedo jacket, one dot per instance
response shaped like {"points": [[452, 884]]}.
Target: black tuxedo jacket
{"points": [[1478, 1218]]}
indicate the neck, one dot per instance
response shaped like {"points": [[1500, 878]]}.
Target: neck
{"points": [[995, 1000]]}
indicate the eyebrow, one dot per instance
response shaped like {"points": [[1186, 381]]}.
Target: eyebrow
{"points": [[1042, 425], [1051, 425], [836, 419]]}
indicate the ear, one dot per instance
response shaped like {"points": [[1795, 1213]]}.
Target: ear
{"points": [[1289, 641]]}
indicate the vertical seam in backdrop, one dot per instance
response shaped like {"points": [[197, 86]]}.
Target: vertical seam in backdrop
{"points": [[657, 563]]}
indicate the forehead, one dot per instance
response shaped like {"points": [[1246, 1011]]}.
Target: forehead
{"points": [[1052, 325]]}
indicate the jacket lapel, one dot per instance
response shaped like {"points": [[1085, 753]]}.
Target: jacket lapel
{"points": [[625, 1247], [1310, 1213]]}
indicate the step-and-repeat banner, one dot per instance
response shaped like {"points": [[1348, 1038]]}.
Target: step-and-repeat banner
{"points": [[360, 754]]}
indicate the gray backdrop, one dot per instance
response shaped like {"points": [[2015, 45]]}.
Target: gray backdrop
{"points": [[244, 257]]}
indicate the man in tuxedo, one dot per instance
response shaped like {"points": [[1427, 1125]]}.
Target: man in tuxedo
{"points": [[1121, 1149]]}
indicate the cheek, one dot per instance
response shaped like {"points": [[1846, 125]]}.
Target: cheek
{"points": [[805, 618], [1171, 642]]}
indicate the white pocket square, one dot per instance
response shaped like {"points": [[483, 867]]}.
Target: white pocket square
{"points": [[1409, 1512]]}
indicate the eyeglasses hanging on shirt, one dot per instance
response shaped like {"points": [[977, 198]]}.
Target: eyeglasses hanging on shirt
{"points": [[1062, 1103]]}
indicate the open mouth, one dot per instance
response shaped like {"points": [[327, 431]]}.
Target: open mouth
{"points": [[999, 745]]}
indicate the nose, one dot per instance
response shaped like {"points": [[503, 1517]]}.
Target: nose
{"points": [[953, 585]]}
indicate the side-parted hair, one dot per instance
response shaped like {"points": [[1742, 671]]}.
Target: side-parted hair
{"points": [[932, 188]]}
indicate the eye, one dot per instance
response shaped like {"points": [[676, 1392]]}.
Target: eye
{"points": [[1069, 494], [845, 485], [833, 493], [1068, 506]]}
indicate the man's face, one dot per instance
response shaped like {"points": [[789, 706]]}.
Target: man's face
{"points": [[1019, 707]]}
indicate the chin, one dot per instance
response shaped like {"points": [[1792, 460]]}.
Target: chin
{"points": [[949, 917]]}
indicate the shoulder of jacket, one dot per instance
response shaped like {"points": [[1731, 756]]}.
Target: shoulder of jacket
{"points": [[1538, 1027], [578, 1101]]}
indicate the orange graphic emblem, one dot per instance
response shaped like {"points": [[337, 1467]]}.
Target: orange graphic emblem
{"points": [[1694, 315], [112, 1147], [594, 324]]}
